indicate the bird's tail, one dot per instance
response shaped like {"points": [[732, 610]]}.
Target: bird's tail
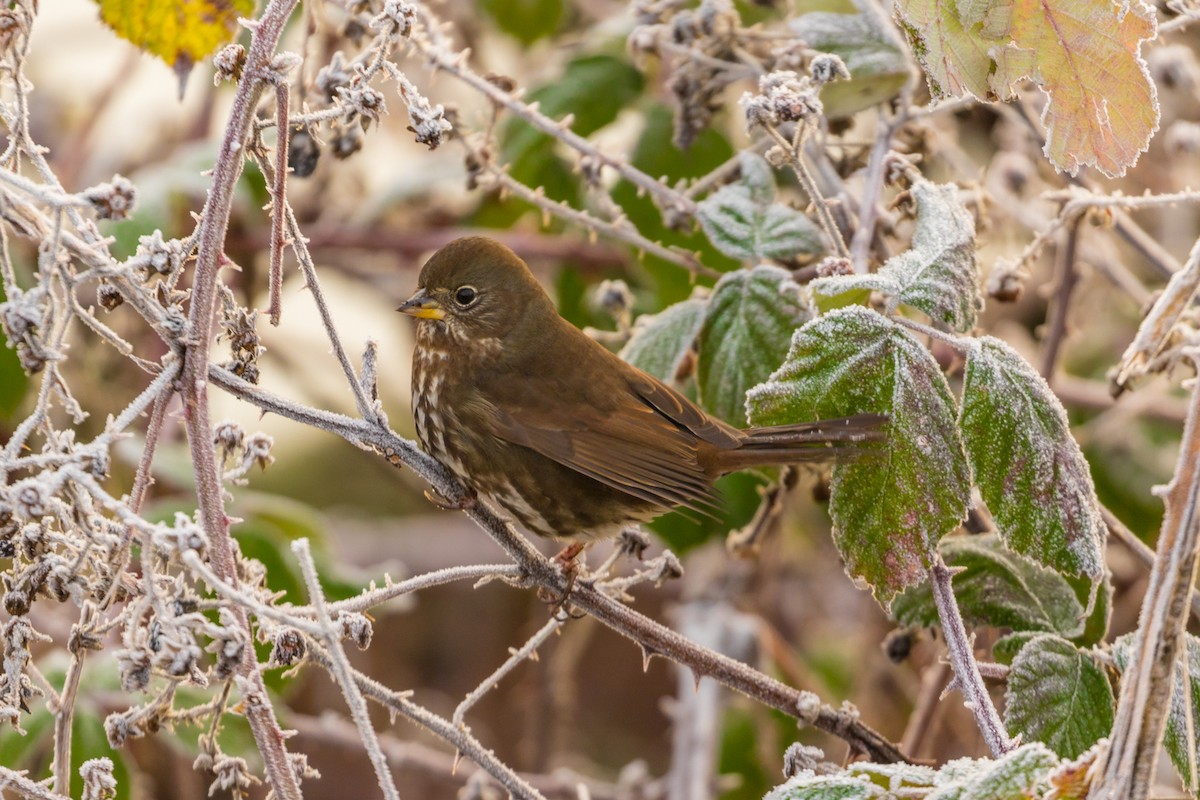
{"points": [[827, 440]]}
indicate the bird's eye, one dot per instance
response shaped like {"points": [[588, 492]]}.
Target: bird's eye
{"points": [[465, 296]]}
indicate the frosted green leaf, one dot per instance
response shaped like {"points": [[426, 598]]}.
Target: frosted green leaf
{"points": [[1176, 736], [939, 274], [878, 69], [743, 221], [660, 342], [1012, 777], [890, 507], [757, 176], [810, 786], [996, 587], [1058, 695], [752, 315], [1006, 647], [894, 777], [1028, 467]]}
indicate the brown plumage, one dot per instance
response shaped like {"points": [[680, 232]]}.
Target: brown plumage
{"points": [[543, 421]]}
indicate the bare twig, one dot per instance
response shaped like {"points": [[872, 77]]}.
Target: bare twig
{"points": [[210, 237], [1064, 287], [278, 202], [339, 667], [962, 658], [1146, 685]]}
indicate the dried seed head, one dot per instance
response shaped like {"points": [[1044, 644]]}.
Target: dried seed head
{"points": [[228, 63], [134, 668], [114, 200], [108, 296], [827, 68], [303, 152], [347, 140], [1006, 281], [355, 627], [98, 780], [396, 20], [834, 265], [333, 76], [229, 439], [288, 647], [362, 100]]}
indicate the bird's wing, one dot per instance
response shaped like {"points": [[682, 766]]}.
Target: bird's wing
{"points": [[645, 444]]}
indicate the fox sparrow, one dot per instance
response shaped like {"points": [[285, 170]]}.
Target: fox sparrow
{"points": [[541, 420]]}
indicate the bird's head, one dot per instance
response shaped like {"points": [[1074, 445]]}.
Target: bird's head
{"points": [[477, 288]]}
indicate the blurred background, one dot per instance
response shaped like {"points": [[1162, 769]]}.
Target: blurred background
{"points": [[587, 704]]}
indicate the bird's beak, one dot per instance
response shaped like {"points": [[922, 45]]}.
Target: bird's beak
{"points": [[422, 306]]}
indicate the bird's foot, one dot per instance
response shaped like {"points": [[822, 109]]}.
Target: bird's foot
{"points": [[566, 560], [466, 501]]}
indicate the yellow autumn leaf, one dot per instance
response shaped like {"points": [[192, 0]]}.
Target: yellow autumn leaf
{"points": [[180, 32], [953, 48], [1102, 107]]}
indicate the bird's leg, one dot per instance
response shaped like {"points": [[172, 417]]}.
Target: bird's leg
{"points": [[567, 561], [463, 502]]}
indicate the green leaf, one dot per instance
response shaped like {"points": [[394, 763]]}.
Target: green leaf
{"points": [[1014, 776], [810, 786], [878, 68], [894, 777], [1007, 647], [889, 508], [1057, 694], [752, 315], [661, 342], [939, 274], [743, 221], [526, 20], [996, 587], [1029, 469], [1175, 737], [655, 154], [1095, 627]]}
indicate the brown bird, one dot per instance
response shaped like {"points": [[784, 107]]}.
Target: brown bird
{"points": [[544, 422]]}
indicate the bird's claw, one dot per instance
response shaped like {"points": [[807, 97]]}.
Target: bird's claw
{"points": [[464, 502], [566, 561]]}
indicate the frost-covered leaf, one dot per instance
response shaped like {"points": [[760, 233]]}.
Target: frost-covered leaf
{"points": [[894, 777], [743, 221], [1085, 54], [1028, 467], [1095, 627], [1058, 695], [661, 342], [878, 69], [810, 786], [952, 42], [1006, 647], [889, 508], [180, 33], [757, 176], [996, 587], [751, 317], [1012, 777], [939, 273], [1176, 736]]}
